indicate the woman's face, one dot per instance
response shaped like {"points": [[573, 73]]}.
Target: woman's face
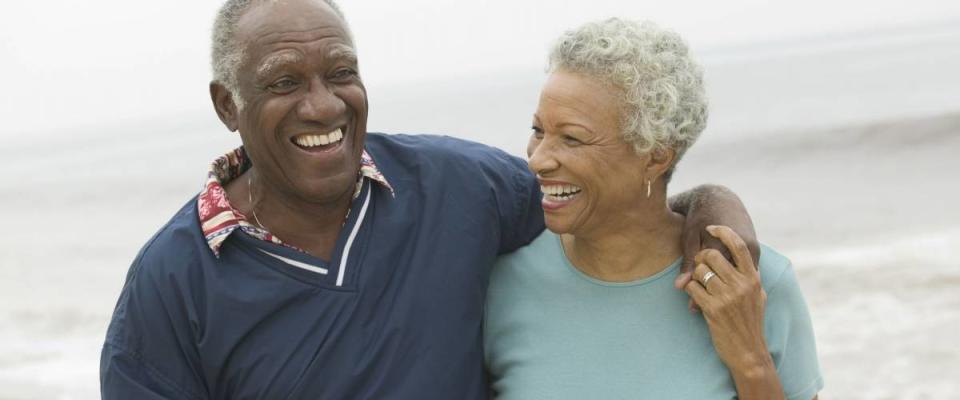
{"points": [[589, 175]]}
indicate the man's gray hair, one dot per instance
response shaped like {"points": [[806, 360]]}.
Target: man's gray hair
{"points": [[663, 92], [226, 54]]}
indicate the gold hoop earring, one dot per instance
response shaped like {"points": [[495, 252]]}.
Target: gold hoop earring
{"points": [[648, 189]]}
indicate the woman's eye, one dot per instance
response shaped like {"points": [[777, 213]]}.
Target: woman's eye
{"points": [[537, 132], [571, 140]]}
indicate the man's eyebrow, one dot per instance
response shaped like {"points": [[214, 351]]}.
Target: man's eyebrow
{"points": [[269, 64], [344, 52]]}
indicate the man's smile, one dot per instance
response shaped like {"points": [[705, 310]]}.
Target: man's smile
{"points": [[317, 142]]}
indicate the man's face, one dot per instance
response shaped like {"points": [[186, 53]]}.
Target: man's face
{"points": [[305, 114]]}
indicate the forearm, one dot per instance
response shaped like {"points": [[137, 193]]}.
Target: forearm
{"points": [[758, 382], [681, 202], [714, 205], [707, 195]]}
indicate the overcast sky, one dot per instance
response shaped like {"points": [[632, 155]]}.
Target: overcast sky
{"points": [[66, 63]]}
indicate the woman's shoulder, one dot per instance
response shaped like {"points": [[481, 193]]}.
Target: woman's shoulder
{"points": [[775, 269], [541, 256], [779, 280], [788, 327]]}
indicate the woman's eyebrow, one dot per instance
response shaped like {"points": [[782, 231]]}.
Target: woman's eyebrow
{"points": [[574, 125]]}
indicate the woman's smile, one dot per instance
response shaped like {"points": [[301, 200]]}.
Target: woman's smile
{"points": [[557, 194]]}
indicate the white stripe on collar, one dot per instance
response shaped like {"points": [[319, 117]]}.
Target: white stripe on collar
{"points": [[353, 235], [298, 264]]}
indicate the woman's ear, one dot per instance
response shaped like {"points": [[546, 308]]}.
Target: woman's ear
{"points": [[660, 162]]}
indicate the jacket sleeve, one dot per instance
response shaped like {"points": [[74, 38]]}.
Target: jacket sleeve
{"points": [[125, 375], [149, 352], [518, 201]]}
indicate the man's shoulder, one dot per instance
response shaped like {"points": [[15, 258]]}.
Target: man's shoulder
{"points": [[433, 149], [175, 246], [159, 273], [427, 142]]}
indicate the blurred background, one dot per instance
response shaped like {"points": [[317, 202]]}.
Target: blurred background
{"points": [[837, 122]]}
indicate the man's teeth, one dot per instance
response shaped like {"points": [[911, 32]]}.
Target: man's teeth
{"points": [[319, 140], [559, 192]]}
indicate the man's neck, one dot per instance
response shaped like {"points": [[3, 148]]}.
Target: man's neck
{"points": [[311, 226], [639, 245]]}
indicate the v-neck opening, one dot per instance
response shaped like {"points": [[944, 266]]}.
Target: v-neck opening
{"points": [[361, 210]]}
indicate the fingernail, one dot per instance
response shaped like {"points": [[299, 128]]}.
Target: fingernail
{"points": [[711, 228], [681, 280]]}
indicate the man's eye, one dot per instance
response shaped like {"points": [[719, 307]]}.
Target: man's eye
{"points": [[344, 73], [283, 85]]}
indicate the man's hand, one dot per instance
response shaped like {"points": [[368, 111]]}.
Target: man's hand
{"points": [[708, 205]]}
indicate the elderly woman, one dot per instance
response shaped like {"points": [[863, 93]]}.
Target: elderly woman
{"points": [[589, 309]]}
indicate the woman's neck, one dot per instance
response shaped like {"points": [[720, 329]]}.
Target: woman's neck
{"points": [[637, 245]]}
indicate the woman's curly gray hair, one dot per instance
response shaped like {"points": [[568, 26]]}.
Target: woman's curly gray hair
{"points": [[225, 53], [664, 101]]}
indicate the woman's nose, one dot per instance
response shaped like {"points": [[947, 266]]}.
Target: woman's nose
{"points": [[541, 157]]}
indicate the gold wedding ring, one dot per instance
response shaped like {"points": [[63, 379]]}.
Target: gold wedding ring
{"points": [[707, 277]]}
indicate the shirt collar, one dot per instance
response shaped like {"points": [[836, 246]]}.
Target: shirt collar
{"points": [[218, 218]]}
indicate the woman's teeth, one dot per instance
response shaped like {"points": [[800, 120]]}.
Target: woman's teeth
{"points": [[559, 192], [319, 140]]}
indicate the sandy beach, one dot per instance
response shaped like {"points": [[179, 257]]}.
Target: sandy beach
{"points": [[864, 202]]}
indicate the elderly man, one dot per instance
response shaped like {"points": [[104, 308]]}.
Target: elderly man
{"points": [[320, 261]]}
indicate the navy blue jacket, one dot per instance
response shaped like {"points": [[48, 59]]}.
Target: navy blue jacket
{"points": [[404, 322]]}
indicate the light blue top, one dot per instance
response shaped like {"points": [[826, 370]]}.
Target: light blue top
{"points": [[552, 332]]}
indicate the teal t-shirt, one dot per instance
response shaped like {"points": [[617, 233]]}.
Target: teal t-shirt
{"points": [[552, 332]]}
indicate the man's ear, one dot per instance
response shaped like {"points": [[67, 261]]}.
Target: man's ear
{"points": [[225, 106]]}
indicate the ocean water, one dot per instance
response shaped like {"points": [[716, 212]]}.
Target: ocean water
{"points": [[845, 155]]}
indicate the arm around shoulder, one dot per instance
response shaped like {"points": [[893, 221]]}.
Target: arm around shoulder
{"points": [[707, 205], [518, 200]]}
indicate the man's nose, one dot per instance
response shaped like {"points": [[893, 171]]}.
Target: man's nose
{"points": [[320, 103]]}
